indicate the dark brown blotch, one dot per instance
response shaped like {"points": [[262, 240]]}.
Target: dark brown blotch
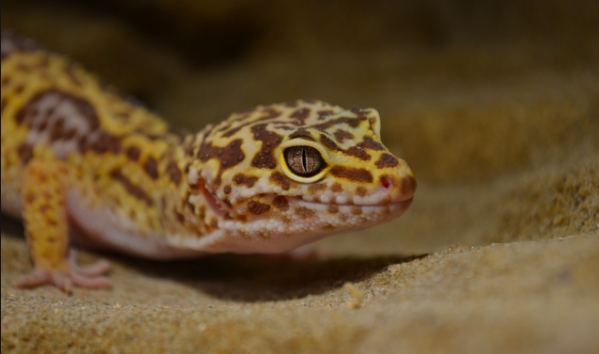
{"points": [[341, 135], [368, 143], [131, 188], [107, 143], [322, 115], [133, 153], [241, 179], [336, 188], [301, 115], [270, 141], [352, 174], [281, 180], [316, 187], [361, 191], [281, 202], [258, 208], [25, 152], [151, 167], [333, 209], [387, 161], [352, 122], [174, 173], [303, 212], [228, 156], [301, 134]]}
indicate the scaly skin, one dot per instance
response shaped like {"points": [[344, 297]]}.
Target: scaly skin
{"points": [[81, 164]]}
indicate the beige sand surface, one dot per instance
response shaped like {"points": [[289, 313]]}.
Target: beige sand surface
{"points": [[495, 106]]}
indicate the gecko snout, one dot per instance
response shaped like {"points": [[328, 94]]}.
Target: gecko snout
{"points": [[399, 189]]}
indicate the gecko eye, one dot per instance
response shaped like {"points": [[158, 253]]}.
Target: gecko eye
{"points": [[304, 161]]}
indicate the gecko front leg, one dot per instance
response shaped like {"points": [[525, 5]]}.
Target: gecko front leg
{"points": [[46, 221]]}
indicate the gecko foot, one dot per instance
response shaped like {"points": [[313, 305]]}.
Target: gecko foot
{"points": [[89, 277]]}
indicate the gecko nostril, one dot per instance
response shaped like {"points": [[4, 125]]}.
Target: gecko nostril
{"points": [[386, 181]]}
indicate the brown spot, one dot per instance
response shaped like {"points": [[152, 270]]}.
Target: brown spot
{"points": [[30, 110], [301, 134], [151, 167], [303, 212], [352, 122], [228, 203], [315, 188], [270, 114], [301, 115], [172, 170], [25, 152], [270, 140], [107, 143], [356, 151], [336, 188], [322, 115], [131, 188], [281, 180], [214, 223], [328, 227], [6, 81], [333, 209], [258, 208], [356, 210], [341, 135], [353, 174], [3, 105], [361, 191], [281, 202], [227, 189], [69, 134], [243, 179], [228, 156], [386, 161], [133, 153], [328, 143], [368, 143]]}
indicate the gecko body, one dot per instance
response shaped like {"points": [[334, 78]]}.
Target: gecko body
{"points": [[81, 164]]}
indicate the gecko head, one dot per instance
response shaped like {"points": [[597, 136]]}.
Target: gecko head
{"points": [[280, 176]]}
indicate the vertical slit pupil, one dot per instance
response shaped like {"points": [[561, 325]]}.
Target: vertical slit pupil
{"points": [[304, 160]]}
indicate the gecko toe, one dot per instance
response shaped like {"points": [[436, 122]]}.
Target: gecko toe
{"points": [[33, 280], [98, 268]]}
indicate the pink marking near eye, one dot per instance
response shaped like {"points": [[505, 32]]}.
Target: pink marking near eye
{"points": [[386, 182]]}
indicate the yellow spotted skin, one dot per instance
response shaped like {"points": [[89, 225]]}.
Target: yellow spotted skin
{"points": [[81, 164]]}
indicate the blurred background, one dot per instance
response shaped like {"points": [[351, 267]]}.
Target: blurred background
{"points": [[494, 104]]}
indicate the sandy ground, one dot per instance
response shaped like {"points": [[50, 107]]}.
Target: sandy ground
{"points": [[496, 107]]}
